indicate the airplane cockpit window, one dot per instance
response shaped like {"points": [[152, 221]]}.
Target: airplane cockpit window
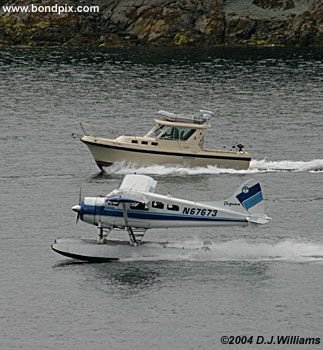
{"points": [[158, 205], [173, 207], [138, 206], [112, 204]]}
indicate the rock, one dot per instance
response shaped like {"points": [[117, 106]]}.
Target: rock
{"points": [[239, 29], [275, 4], [168, 22]]}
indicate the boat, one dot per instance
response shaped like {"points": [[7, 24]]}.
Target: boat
{"points": [[175, 139]]}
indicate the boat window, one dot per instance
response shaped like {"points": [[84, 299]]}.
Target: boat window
{"points": [[144, 142], [185, 133], [158, 205], [173, 207], [170, 134], [154, 143], [134, 141], [177, 133], [138, 206]]}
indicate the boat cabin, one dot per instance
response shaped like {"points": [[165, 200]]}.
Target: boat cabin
{"points": [[178, 128]]}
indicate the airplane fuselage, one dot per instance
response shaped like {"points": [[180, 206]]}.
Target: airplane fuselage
{"points": [[160, 212]]}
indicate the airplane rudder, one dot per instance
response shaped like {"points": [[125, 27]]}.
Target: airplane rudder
{"points": [[250, 195]]}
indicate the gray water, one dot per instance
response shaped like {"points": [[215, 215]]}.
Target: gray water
{"points": [[256, 281]]}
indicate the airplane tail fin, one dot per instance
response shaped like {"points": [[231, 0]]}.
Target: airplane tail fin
{"points": [[249, 196]]}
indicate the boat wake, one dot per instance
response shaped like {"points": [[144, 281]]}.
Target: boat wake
{"points": [[256, 166], [241, 250], [315, 165]]}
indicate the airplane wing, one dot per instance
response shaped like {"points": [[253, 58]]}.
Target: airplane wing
{"points": [[138, 183], [126, 197], [132, 189]]}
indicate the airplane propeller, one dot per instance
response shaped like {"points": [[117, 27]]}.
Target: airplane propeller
{"points": [[77, 208]]}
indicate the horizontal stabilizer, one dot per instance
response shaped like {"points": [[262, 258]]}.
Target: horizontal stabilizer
{"points": [[261, 219]]}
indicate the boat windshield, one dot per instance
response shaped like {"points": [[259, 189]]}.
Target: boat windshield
{"points": [[156, 131], [175, 133]]}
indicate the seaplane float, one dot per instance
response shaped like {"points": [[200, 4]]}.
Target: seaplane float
{"points": [[175, 139], [135, 207]]}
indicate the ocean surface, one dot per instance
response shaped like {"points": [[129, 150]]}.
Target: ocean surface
{"points": [[254, 282]]}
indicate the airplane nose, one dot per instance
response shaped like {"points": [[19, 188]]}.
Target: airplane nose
{"points": [[76, 208]]}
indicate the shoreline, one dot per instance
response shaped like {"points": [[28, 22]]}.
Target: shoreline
{"points": [[165, 23]]}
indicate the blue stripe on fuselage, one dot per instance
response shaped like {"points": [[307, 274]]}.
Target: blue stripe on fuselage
{"points": [[135, 214]]}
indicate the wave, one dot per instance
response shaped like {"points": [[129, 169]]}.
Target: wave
{"points": [[241, 250], [256, 166], [287, 165]]}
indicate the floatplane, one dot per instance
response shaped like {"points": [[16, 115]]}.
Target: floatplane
{"points": [[135, 207]]}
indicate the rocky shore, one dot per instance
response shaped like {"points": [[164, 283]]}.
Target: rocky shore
{"points": [[165, 23]]}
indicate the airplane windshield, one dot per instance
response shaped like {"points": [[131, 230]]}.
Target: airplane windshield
{"points": [[138, 206]]}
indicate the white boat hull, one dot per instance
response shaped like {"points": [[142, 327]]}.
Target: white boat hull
{"points": [[90, 250], [106, 154]]}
